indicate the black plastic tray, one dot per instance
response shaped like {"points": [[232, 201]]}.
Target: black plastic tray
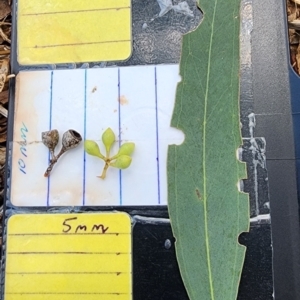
{"points": [[268, 92]]}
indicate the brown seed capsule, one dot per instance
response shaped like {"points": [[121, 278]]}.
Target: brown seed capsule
{"points": [[50, 140], [71, 139]]}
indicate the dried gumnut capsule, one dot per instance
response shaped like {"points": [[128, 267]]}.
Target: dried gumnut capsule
{"points": [[50, 140], [122, 162], [70, 139]]}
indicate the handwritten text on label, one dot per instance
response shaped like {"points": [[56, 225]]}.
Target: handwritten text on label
{"points": [[23, 149], [70, 227]]}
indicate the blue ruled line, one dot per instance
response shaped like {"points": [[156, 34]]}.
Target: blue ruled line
{"points": [[119, 95], [84, 137], [50, 127], [157, 141]]}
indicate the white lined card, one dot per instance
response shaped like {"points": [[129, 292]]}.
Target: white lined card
{"points": [[136, 102]]}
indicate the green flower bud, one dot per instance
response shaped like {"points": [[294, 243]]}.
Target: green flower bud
{"points": [[122, 162], [108, 138], [126, 149], [92, 148]]}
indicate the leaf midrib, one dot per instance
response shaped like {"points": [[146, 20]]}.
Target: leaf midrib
{"points": [[204, 158]]}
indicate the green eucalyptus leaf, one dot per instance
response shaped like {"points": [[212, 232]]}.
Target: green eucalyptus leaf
{"points": [[108, 138], [92, 148], [206, 209], [122, 162]]}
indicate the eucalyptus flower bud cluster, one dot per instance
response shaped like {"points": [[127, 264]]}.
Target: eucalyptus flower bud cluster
{"points": [[121, 160]]}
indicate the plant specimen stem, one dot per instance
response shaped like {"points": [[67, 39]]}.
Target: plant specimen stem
{"points": [[114, 157], [53, 161], [104, 170], [53, 157], [101, 156]]}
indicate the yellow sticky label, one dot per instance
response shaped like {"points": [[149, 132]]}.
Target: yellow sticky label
{"points": [[68, 256], [61, 31]]}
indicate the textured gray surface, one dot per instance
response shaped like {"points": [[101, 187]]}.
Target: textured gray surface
{"points": [[271, 100], [271, 80]]}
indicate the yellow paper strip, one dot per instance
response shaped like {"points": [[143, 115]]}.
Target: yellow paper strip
{"points": [[68, 256], [55, 31]]}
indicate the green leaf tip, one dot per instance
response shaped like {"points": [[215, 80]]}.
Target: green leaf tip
{"points": [[207, 211]]}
